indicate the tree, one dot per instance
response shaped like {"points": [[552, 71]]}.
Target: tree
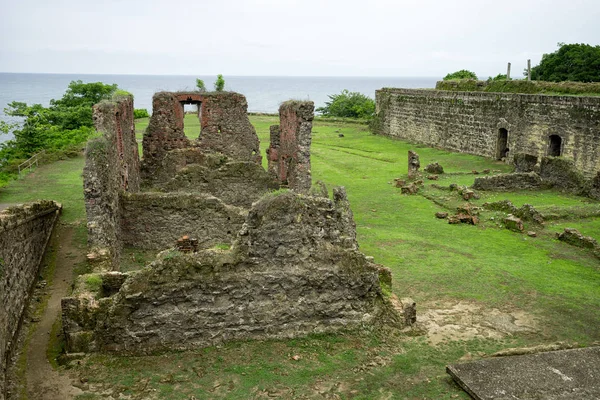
{"points": [[68, 121], [200, 85], [348, 105], [571, 62], [462, 74], [499, 77], [219, 83]]}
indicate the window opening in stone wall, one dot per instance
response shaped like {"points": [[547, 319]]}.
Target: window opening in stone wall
{"points": [[554, 148], [192, 107], [502, 144]]}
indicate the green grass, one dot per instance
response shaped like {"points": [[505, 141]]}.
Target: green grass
{"points": [[431, 261]]}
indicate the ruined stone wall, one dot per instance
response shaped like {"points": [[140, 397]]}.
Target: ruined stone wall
{"points": [[225, 127], [111, 166], [193, 170], [164, 131], [289, 152], [470, 122], [24, 233], [294, 269], [155, 221]]}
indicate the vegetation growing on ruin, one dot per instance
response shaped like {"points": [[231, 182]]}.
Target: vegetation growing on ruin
{"points": [[437, 264], [200, 85], [522, 86], [462, 74], [219, 83], [348, 105], [577, 62]]}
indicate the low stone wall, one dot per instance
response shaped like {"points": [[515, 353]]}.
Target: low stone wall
{"points": [[293, 269], [24, 234], [154, 221], [506, 182]]}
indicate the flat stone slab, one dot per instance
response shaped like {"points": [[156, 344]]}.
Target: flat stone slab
{"points": [[565, 374]]}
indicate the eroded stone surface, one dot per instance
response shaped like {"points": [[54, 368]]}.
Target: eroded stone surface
{"points": [[293, 269], [565, 374], [24, 232], [508, 182]]}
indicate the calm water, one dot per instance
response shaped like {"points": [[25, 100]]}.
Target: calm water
{"points": [[264, 93]]}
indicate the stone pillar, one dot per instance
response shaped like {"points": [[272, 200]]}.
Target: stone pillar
{"points": [[508, 72], [528, 70], [289, 153], [413, 165]]}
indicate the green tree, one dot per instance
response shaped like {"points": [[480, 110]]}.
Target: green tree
{"points": [[462, 74], [67, 121], [499, 77], [219, 83], [200, 85], [348, 105], [571, 62], [140, 113]]}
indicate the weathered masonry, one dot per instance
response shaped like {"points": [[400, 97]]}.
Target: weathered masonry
{"points": [[496, 125], [24, 233], [248, 262]]}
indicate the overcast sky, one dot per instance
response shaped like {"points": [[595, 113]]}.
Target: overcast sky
{"points": [[288, 37]]}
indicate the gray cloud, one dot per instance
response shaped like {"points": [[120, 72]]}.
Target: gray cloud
{"points": [[279, 37]]}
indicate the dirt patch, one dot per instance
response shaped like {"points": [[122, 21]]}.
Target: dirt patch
{"points": [[466, 321]]}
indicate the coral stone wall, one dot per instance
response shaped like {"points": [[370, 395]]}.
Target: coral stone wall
{"points": [[471, 122], [111, 166], [294, 269], [289, 152], [24, 233], [152, 220]]}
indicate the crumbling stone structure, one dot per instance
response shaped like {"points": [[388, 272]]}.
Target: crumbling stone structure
{"points": [[413, 165], [289, 152], [496, 125], [24, 234], [294, 268], [224, 123], [111, 167]]}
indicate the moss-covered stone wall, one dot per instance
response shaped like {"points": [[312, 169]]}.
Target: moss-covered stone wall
{"points": [[473, 122], [24, 234]]}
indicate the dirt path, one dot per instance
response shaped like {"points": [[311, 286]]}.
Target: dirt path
{"points": [[43, 382]]}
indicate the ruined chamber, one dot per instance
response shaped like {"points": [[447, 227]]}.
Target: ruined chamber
{"points": [[256, 262]]}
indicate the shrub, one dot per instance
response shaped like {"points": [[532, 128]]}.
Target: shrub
{"points": [[348, 105], [140, 113], [462, 74], [200, 85], [499, 77], [219, 83]]}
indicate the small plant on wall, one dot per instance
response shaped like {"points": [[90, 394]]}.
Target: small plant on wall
{"points": [[219, 83]]}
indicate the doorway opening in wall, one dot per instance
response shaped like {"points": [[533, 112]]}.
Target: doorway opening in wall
{"points": [[555, 145], [502, 144], [192, 129]]}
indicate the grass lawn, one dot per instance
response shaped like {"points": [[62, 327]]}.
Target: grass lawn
{"points": [[437, 264]]}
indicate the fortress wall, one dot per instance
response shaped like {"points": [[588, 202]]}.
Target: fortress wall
{"points": [[24, 232], [470, 122], [111, 166]]}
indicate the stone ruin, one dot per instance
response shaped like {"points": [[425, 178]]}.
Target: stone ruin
{"points": [[238, 258]]}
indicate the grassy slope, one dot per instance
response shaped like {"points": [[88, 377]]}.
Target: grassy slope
{"points": [[431, 261]]}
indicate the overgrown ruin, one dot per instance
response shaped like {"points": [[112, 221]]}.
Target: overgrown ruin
{"points": [[255, 261]]}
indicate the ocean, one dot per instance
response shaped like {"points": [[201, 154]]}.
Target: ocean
{"points": [[264, 93]]}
